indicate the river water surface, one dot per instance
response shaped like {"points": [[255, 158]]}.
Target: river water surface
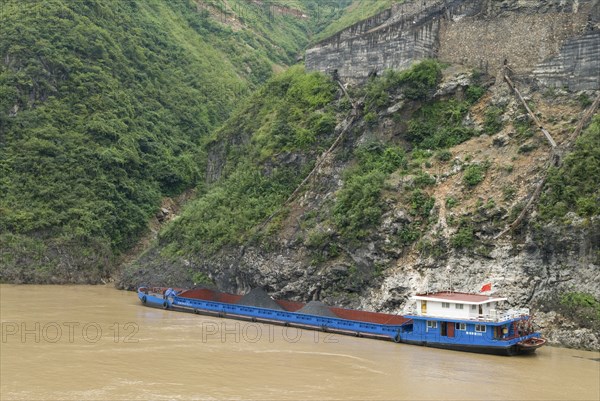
{"points": [[85, 342]]}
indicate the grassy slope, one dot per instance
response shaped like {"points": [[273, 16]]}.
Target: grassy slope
{"points": [[291, 115], [104, 108], [574, 186], [355, 12]]}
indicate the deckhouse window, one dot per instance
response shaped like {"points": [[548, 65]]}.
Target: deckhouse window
{"points": [[473, 307], [445, 304], [458, 306], [460, 326], [431, 324], [480, 328]]}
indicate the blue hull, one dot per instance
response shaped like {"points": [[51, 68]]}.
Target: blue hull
{"points": [[402, 333], [154, 301]]}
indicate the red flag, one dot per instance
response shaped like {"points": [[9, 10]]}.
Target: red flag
{"points": [[486, 287]]}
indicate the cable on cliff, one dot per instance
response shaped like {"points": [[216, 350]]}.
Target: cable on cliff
{"points": [[556, 155], [346, 124]]}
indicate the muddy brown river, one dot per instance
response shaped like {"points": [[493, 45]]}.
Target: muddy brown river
{"points": [[97, 343]]}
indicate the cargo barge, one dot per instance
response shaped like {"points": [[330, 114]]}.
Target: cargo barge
{"points": [[448, 320]]}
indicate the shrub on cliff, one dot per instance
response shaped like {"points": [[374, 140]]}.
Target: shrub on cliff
{"points": [[581, 307], [493, 120], [358, 206], [416, 83], [438, 125], [264, 164], [420, 81], [574, 186], [474, 174], [464, 238], [421, 203]]}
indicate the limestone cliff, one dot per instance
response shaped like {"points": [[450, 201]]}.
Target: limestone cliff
{"points": [[556, 40]]}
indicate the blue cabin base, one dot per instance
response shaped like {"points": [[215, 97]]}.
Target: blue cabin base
{"points": [[511, 350]]}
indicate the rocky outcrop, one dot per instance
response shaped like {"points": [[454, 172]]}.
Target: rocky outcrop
{"points": [[550, 259], [562, 37], [560, 331]]}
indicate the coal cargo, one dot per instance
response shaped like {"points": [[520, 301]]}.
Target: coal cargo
{"points": [[259, 298]]}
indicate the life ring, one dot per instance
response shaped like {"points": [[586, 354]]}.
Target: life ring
{"points": [[144, 299], [397, 338], [196, 311], [165, 305]]}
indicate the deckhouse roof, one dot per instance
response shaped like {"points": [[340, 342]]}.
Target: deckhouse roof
{"points": [[458, 298]]}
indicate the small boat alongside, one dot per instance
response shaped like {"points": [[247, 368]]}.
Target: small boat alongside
{"points": [[448, 320], [531, 344]]}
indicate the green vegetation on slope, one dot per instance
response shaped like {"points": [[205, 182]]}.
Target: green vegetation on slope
{"points": [[581, 307], [269, 145], [103, 109], [357, 11], [277, 29], [574, 186], [289, 118], [359, 206], [416, 83], [435, 124]]}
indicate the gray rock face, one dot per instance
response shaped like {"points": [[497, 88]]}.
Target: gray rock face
{"points": [[576, 66], [548, 260], [393, 39], [568, 335], [560, 38]]}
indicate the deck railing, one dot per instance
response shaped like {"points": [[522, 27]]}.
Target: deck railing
{"points": [[493, 316], [500, 316]]}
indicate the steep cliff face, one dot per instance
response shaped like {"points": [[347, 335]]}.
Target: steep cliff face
{"points": [[576, 66], [475, 33], [393, 39]]}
